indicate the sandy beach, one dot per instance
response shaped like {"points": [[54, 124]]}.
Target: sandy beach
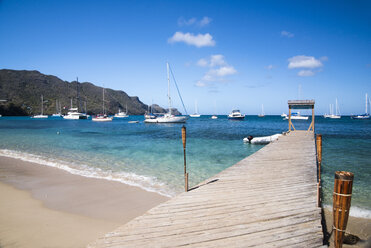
{"points": [[43, 206]]}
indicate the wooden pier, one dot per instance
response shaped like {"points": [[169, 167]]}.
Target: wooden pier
{"points": [[268, 199]]}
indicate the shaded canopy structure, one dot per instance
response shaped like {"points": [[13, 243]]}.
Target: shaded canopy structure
{"points": [[301, 104]]}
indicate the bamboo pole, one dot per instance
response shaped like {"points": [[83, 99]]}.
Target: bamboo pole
{"points": [[289, 118], [341, 204], [184, 139]]}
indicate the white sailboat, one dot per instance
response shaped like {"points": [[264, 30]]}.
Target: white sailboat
{"points": [[337, 114], [41, 116], [102, 117], [168, 117], [262, 113], [57, 109], [366, 115], [122, 114], [196, 114]]}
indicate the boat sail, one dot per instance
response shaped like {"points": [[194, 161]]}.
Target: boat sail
{"points": [[102, 117], [366, 115], [41, 116], [196, 114], [168, 117]]}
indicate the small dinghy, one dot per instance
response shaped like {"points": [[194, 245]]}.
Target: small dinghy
{"points": [[261, 140]]}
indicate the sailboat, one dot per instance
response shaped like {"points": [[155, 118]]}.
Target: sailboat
{"points": [[196, 114], [102, 117], [262, 113], [122, 114], [336, 115], [168, 117], [57, 109], [331, 110], [41, 116], [365, 115]]}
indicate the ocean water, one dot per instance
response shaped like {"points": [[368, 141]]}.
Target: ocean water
{"points": [[151, 155]]}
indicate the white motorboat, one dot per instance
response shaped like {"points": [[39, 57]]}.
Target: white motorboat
{"points": [[74, 114], [102, 117], [196, 114], [297, 116], [214, 117], [41, 116], [236, 115], [168, 117], [365, 115], [262, 113], [284, 115], [122, 114], [261, 140]]}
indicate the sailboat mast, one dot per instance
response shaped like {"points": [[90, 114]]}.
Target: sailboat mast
{"points": [[168, 87], [103, 101], [42, 105], [366, 104]]}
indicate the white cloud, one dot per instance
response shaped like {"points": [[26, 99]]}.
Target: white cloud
{"points": [[302, 61], [219, 69], [305, 73], [205, 21], [198, 40], [202, 63], [200, 84], [216, 60], [193, 21], [287, 34]]}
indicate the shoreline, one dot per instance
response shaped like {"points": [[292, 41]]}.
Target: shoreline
{"points": [[60, 205]]}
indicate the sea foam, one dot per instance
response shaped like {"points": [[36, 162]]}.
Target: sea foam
{"points": [[150, 184]]}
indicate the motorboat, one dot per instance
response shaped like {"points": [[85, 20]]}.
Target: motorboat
{"points": [[236, 115], [74, 114], [102, 118], [168, 117], [214, 117], [122, 114], [283, 115], [297, 116], [261, 140]]}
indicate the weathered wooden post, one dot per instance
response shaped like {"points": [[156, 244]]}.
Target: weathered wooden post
{"points": [[184, 139], [341, 204], [319, 162]]}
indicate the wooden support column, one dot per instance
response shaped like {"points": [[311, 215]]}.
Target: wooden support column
{"points": [[319, 162], [341, 204], [184, 139]]}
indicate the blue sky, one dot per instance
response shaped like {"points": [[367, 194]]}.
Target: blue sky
{"points": [[224, 54]]}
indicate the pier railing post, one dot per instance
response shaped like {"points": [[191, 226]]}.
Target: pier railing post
{"points": [[341, 204], [319, 162], [184, 139]]}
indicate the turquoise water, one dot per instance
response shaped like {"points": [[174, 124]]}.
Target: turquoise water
{"points": [[151, 156]]}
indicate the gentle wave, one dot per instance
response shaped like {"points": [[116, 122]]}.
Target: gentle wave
{"points": [[356, 212], [150, 184]]}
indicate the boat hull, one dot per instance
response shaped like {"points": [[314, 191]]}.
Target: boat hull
{"points": [[165, 119]]}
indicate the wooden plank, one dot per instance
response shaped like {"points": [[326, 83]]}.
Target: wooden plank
{"points": [[268, 199]]}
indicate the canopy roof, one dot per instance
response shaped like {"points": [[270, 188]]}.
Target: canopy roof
{"points": [[301, 104]]}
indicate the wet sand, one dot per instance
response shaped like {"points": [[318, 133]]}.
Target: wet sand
{"points": [[43, 206]]}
